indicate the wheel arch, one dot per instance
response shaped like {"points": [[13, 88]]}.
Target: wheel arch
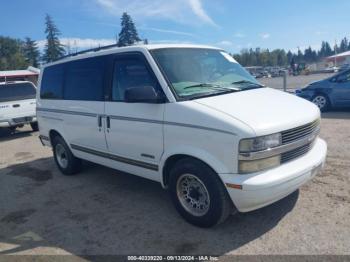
{"points": [[170, 161], [53, 133]]}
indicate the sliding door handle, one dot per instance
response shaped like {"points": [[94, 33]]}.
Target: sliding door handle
{"points": [[99, 121], [108, 120]]}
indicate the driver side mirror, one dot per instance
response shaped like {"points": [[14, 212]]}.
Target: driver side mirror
{"points": [[143, 94]]}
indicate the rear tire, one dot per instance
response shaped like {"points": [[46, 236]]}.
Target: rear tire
{"points": [[322, 102], [66, 162], [34, 126], [198, 193]]}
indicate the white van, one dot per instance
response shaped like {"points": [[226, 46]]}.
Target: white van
{"points": [[17, 105], [187, 116]]}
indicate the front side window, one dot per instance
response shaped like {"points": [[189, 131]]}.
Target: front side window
{"points": [[197, 72], [345, 77], [128, 73], [17, 91]]}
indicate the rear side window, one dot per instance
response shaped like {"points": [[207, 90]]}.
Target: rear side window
{"points": [[52, 82], [84, 79], [18, 91]]}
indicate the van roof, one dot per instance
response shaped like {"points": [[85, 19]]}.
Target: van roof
{"points": [[133, 48]]}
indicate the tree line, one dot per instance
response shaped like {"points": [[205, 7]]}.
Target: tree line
{"points": [[19, 54], [279, 57]]}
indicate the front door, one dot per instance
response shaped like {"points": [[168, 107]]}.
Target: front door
{"points": [[134, 131], [341, 90]]}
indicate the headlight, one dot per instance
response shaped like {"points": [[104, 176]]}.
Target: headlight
{"points": [[260, 143], [259, 165]]}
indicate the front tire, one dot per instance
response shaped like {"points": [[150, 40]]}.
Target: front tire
{"points": [[66, 162], [198, 194], [321, 101]]}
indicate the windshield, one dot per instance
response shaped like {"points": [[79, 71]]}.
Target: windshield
{"points": [[19, 91], [196, 72]]}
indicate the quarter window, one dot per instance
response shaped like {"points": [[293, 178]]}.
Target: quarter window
{"points": [[52, 82]]}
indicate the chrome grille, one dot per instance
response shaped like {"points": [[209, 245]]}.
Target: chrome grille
{"points": [[295, 153], [291, 135]]}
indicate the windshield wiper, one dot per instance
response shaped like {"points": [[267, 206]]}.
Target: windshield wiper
{"points": [[215, 87], [247, 82], [251, 85], [201, 85]]}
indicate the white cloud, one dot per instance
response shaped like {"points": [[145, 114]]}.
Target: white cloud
{"points": [[321, 32], [169, 42], [303, 47], [265, 35], [166, 31], [239, 35], [198, 10], [183, 11], [225, 43], [80, 43]]}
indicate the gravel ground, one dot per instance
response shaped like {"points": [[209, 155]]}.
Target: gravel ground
{"points": [[103, 212], [293, 82]]}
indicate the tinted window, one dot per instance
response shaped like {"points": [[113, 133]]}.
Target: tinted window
{"points": [[84, 79], [20, 91], [345, 77], [130, 73], [52, 82]]}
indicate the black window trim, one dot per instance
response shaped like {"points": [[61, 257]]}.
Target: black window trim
{"points": [[172, 88], [105, 82], [126, 55]]}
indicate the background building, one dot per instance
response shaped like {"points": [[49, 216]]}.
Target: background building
{"points": [[30, 74]]}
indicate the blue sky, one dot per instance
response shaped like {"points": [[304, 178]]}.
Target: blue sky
{"points": [[230, 24]]}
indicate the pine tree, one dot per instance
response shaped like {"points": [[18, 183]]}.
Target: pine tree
{"points": [[31, 52], [128, 34], [344, 45], [11, 54], [53, 48]]}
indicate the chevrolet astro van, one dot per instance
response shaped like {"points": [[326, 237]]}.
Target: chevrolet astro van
{"points": [[187, 116]]}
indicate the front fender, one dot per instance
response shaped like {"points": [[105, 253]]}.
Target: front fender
{"points": [[216, 164]]}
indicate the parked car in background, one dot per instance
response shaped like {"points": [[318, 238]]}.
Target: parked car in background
{"points": [[333, 92], [18, 105], [187, 116], [332, 69], [344, 67]]}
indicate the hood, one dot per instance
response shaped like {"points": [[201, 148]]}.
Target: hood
{"points": [[265, 110]]}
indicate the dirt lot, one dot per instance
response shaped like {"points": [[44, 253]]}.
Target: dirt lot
{"points": [[293, 82], [102, 211]]}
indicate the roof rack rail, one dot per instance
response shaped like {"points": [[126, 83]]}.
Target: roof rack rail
{"points": [[96, 49]]}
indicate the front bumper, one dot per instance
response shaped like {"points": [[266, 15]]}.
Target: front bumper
{"points": [[266, 187], [17, 121], [304, 94]]}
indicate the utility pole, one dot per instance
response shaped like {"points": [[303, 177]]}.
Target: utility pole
{"points": [[335, 53]]}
